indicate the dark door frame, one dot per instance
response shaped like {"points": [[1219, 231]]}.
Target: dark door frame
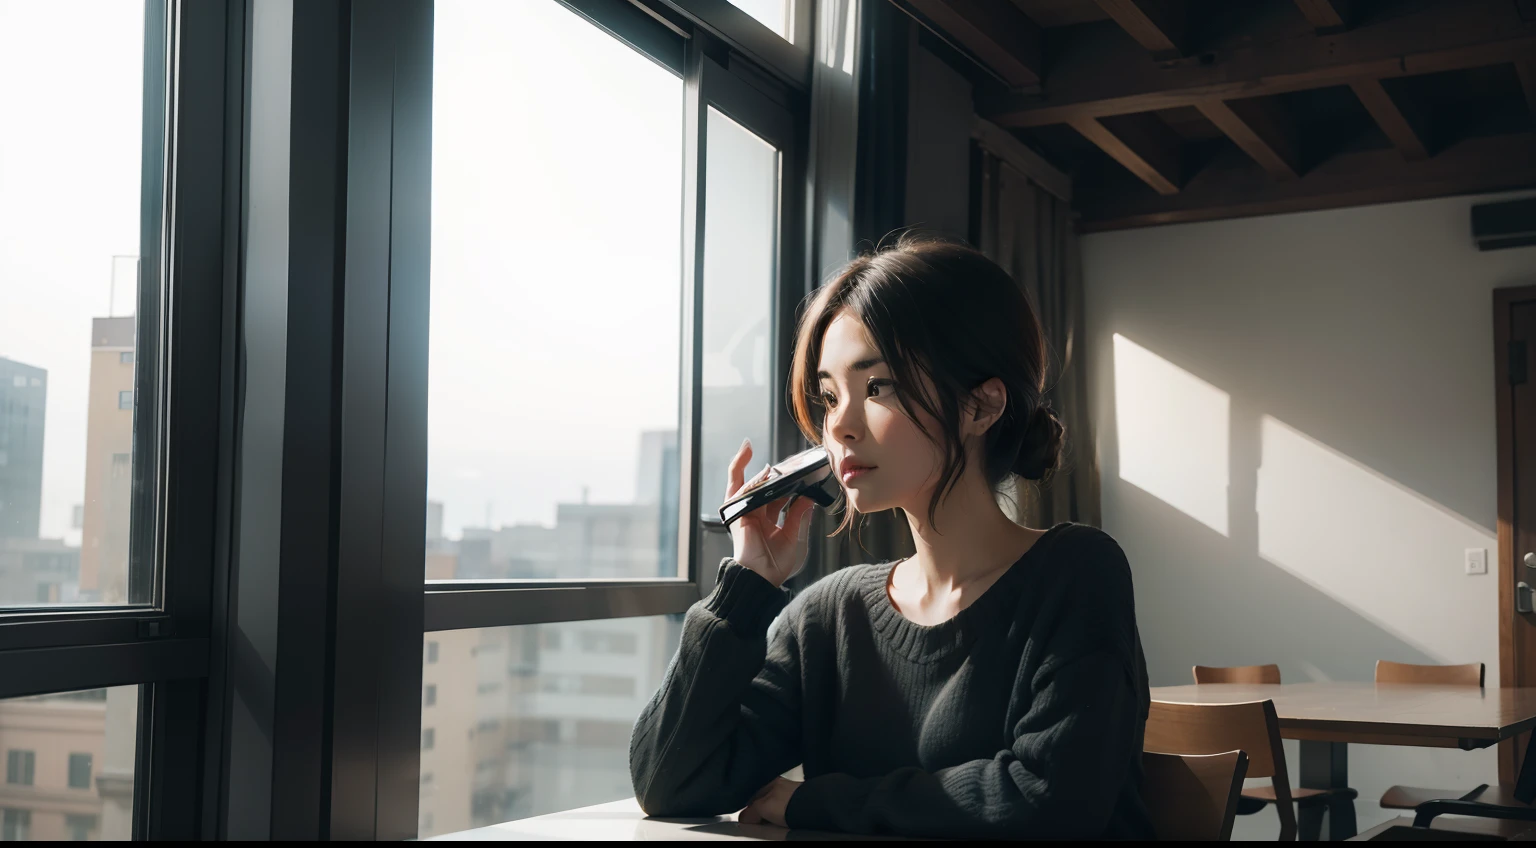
{"points": [[1517, 631]]}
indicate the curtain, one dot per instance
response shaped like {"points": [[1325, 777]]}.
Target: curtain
{"points": [[1029, 232]]}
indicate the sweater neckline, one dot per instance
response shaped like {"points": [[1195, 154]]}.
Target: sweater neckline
{"points": [[931, 642]]}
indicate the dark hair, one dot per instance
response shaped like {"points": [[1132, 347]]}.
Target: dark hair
{"points": [[941, 310]]}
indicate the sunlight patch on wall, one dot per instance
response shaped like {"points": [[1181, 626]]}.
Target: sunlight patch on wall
{"points": [[1346, 530], [1173, 433]]}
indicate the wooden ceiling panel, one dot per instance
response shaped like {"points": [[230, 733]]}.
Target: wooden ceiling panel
{"points": [[1060, 13], [1174, 110]]}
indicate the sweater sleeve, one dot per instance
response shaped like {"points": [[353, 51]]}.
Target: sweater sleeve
{"points": [[726, 718], [1076, 743]]}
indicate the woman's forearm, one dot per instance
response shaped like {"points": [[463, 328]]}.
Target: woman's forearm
{"points": [[726, 716]]}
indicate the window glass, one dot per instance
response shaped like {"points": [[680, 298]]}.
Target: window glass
{"points": [[69, 281], [555, 299], [527, 725], [69, 765], [773, 14], [741, 192]]}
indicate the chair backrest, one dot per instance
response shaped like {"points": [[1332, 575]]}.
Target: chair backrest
{"points": [[1469, 674], [1237, 674], [1251, 727], [1193, 797]]}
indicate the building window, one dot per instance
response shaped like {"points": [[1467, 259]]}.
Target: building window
{"points": [[79, 771], [45, 593], [19, 766], [126, 357], [431, 696], [431, 652], [15, 825], [80, 828], [122, 464], [428, 739], [125, 400]]}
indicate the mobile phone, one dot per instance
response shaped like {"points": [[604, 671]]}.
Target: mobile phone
{"points": [[805, 474]]}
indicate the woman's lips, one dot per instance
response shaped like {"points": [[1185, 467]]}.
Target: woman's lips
{"points": [[854, 472]]}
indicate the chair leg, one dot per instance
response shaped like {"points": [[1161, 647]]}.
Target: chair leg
{"points": [[1341, 820], [1309, 821]]}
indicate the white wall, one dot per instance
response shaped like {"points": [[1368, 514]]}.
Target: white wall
{"points": [[1295, 417]]}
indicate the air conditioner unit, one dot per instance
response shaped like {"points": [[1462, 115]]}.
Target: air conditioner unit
{"points": [[1508, 224]]}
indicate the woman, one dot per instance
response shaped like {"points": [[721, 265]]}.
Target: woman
{"points": [[990, 685]]}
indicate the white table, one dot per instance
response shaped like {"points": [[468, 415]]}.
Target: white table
{"points": [[622, 821]]}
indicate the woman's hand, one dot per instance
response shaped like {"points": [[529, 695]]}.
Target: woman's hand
{"points": [[775, 552], [770, 802]]}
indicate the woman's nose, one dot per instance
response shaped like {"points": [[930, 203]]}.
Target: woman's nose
{"points": [[846, 422]]}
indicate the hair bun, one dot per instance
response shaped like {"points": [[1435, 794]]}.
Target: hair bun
{"points": [[1040, 451]]}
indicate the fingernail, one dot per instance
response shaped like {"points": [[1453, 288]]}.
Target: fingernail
{"points": [[746, 442]]}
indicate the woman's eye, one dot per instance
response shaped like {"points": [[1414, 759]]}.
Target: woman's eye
{"points": [[828, 400], [880, 387]]}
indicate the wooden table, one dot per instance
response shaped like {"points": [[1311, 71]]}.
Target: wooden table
{"points": [[1326, 717], [622, 821]]}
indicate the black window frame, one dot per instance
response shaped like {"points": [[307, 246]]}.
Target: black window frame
{"points": [[772, 100], [162, 644]]}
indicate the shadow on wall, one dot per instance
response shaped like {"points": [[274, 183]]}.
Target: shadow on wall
{"points": [[1275, 547]]}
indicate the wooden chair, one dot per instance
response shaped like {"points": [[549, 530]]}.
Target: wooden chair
{"points": [[1237, 674], [1256, 799], [1193, 798], [1250, 727], [1469, 674]]}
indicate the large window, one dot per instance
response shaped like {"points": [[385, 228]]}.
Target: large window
{"points": [[70, 320], [112, 150], [556, 291], [536, 719], [741, 223], [614, 272], [70, 764]]}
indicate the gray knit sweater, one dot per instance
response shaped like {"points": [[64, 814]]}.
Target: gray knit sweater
{"points": [[1021, 717]]}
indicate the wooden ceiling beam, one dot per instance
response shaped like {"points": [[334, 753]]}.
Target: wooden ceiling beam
{"points": [[1262, 130], [1326, 16], [1143, 144], [1158, 25], [1232, 187], [995, 31], [1405, 128], [1099, 76]]}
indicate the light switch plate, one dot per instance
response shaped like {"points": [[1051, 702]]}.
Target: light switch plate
{"points": [[1477, 560]]}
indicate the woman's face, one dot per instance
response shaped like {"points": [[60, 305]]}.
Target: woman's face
{"points": [[879, 455]]}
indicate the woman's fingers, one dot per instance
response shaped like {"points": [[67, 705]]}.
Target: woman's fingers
{"points": [[734, 471], [796, 517]]}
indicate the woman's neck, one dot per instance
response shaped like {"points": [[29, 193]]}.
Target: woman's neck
{"points": [[970, 538]]}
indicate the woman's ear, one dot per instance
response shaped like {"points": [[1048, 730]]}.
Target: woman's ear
{"points": [[987, 403]]}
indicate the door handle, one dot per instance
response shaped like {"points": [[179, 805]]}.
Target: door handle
{"points": [[1522, 597], [1530, 559]]}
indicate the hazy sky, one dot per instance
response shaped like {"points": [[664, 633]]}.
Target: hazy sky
{"points": [[71, 77], [556, 250], [557, 175]]}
